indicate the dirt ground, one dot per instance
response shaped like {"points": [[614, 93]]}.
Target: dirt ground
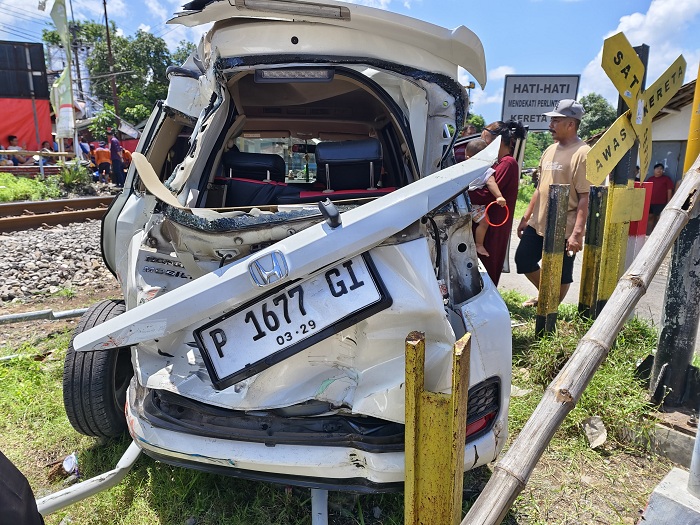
{"points": [[30, 330], [610, 486]]}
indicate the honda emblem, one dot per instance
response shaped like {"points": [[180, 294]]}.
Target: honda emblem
{"points": [[268, 268]]}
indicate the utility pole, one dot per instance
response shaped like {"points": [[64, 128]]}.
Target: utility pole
{"points": [[30, 73], [75, 45], [110, 58]]}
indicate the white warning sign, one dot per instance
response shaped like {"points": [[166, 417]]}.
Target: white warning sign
{"points": [[526, 97]]}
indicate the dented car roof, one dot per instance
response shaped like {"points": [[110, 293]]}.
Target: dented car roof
{"points": [[446, 48]]}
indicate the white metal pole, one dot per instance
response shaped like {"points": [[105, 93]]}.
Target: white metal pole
{"points": [[319, 507]]}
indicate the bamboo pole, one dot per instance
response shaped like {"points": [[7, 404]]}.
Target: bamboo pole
{"points": [[512, 472]]}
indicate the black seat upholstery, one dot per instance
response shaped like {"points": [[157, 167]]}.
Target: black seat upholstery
{"points": [[246, 192], [254, 166], [349, 165]]}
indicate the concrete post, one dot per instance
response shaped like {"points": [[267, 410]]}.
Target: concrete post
{"points": [[694, 477], [593, 246], [552, 259], [679, 320], [436, 427], [682, 302], [319, 507]]}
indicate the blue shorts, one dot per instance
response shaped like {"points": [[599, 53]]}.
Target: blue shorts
{"points": [[529, 254]]}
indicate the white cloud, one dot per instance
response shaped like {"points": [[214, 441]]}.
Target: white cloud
{"points": [[662, 28], [381, 4], [143, 27], [500, 73], [94, 9], [488, 101], [157, 9]]}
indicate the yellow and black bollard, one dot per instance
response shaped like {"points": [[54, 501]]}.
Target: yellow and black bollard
{"points": [[593, 247], [625, 204], [552, 259], [436, 427]]}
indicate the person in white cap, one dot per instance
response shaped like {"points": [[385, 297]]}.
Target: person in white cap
{"points": [[564, 162]]}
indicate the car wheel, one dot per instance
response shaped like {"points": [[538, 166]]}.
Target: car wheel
{"points": [[95, 383]]}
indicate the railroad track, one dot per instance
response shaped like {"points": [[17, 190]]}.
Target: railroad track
{"points": [[17, 216]]}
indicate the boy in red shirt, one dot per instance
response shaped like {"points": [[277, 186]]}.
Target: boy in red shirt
{"points": [[661, 191]]}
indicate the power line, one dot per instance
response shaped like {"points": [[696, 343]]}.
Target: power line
{"points": [[159, 29], [24, 18], [166, 32], [108, 75], [19, 32], [30, 12], [30, 15]]}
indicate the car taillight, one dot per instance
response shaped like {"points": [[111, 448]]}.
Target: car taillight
{"points": [[483, 406], [479, 424]]}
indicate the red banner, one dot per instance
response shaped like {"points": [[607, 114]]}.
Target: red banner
{"points": [[17, 118]]}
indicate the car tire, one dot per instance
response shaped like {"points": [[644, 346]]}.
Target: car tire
{"points": [[95, 383]]}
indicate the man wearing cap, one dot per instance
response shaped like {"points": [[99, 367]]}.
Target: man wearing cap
{"points": [[564, 162]]}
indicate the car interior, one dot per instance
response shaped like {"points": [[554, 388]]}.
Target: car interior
{"points": [[301, 142]]}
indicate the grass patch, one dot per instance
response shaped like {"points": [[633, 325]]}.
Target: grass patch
{"points": [[572, 483], [21, 188], [525, 191], [65, 291], [615, 393], [72, 177]]}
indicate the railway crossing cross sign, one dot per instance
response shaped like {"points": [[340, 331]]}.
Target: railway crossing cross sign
{"points": [[625, 203], [621, 63]]}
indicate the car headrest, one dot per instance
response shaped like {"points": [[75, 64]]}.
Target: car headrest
{"points": [[349, 152], [255, 166]]}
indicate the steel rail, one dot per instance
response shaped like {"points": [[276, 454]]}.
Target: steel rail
{"points": [[17, 216], [10, 209]]}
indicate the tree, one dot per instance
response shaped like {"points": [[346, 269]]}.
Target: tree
{"points": [[137, 113], [103, 120], [140, 62], [88, 32], [477, 120], [599, 115], [535, 146], [183, 51]]}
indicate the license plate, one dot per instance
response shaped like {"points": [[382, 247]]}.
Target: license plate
{"points": [[250, 339]]}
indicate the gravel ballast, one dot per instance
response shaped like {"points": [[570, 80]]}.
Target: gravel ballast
{"points": [[48, 261]]}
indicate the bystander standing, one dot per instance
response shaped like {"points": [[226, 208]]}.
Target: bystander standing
{"points": [[115, 150], [661, 192], [564, 162]]}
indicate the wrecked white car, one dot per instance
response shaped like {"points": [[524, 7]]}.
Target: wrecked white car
{"points": [[294, 216]]}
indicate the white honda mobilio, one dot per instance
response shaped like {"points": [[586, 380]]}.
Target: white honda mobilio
{"points": [[294, 215]]}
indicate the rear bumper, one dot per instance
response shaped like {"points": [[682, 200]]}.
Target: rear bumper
{"points": [[336, 467]]}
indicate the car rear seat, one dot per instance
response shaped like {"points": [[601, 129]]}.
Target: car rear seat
{"points": [[254, 179], [257, 179], [349, 169], [349, 165]]}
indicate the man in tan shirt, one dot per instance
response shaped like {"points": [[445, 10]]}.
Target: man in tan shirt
{"points": [[564, 162]]}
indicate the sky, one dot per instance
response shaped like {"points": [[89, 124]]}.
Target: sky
{"points": [[524, 37]]}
